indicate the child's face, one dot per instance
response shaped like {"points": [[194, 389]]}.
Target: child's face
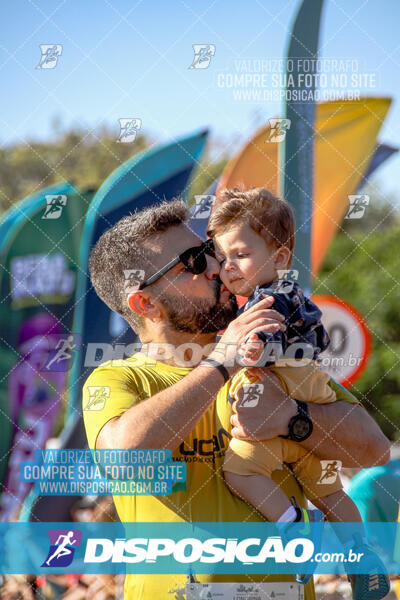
{"points": [[246, 260]]}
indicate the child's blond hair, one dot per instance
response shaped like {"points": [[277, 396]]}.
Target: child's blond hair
{"points": [[269, 216]]}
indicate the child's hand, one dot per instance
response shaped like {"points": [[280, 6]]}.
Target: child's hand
{"points": [[247, 377], [258, 318], [251, 350]]}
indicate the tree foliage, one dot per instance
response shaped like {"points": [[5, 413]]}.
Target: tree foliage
{"points": [[82, 158], [363, 267]]}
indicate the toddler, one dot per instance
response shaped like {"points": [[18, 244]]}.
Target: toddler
{"points": [[254, 236]]}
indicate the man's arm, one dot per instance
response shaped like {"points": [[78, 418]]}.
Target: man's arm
{"points": [[346, 432], [342, 431], [167, 418]]}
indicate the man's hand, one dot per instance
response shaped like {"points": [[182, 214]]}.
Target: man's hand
{"points": [[270, 417], [342, 430], [259, 317]]}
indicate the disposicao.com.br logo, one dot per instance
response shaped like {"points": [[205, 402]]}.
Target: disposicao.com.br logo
{"points": [[221, 548], [193, 550]]}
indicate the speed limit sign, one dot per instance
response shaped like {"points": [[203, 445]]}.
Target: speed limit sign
{"points": [[350, 347]]}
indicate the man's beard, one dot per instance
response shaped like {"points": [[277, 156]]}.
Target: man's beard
{"points": [[195, 315]]}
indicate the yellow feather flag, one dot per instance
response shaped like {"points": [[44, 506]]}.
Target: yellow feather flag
{"points": [[346, 134], [255, 166]]}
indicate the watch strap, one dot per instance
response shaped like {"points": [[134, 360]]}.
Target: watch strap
{"points": [[210, 362], [302, 408]]}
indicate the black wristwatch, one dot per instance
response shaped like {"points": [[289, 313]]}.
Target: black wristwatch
{"points": [[300, 426]]}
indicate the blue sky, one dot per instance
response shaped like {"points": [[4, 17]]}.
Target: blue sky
{"points": [[131, 59]]}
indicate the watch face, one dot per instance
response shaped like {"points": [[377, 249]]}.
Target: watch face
{"points": [[301, 428]]}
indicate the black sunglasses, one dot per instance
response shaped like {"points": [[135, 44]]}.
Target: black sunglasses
{"points": [[194, 259]]}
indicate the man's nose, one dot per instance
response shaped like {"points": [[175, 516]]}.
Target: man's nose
{"points": [[213, 268]]}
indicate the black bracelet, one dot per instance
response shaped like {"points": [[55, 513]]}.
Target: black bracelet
{"points": [[209, 362]]}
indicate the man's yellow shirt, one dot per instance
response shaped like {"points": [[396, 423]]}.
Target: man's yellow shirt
{"points": [[206, 497]]}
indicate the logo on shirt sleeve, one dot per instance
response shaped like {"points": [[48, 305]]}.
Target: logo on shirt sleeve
{"points": [[98, 395]]}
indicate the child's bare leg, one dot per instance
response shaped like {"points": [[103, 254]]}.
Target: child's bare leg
{"points": [[260, 491], [338, 507]]}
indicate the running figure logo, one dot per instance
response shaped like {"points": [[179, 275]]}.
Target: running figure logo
{"points": [[357, 206], [50, 55], [54, 206], [203, 206], [62, 547], [251, 394], [133, 279], [278, 129], [287, 277], [60, 355], [98, 395], [202, 56], [128, 130], [329, 471]]}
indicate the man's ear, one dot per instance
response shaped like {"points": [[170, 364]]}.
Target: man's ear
{"points": [[282, 258], [142, 304]]}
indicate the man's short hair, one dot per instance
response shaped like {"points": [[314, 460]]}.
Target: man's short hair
{"points": [[269, 216], [127, 246]]}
